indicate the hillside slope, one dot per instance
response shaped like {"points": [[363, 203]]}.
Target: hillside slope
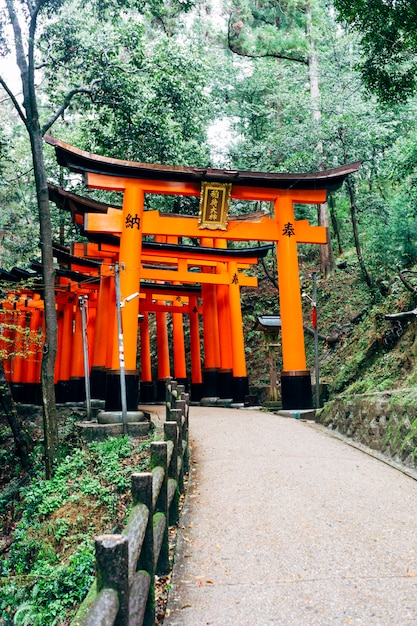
{"points": [[364, 351]]}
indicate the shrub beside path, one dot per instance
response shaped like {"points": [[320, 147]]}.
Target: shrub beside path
{"points": [[284, 524]]}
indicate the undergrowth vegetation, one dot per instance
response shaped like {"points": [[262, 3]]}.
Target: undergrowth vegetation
{"points": [[49, 564], [360, 350], [373, 352]]}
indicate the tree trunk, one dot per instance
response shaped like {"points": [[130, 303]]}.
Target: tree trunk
{"points": [[335, 224], [362, 265], [326, 250], [23, 442], [25, 60], [50, 422], [351, 192]]}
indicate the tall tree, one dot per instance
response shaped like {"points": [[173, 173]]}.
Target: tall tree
{"points": [[326, 252], [356, 126], [272, 108], [284, 31], [29, 114], [388, 35]]}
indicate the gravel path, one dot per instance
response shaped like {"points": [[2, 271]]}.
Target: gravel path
{"points": [[284, 524]]}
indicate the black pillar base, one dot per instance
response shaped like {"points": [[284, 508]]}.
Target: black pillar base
{"points": [[37, 394], [161, 390], [196, 392], [113, 396], [62, 391], [22, 392], [210, 383], [296, 389], [183, 382], [147, 392], [76, 389], [225, 384], [29, 393], [98, 383], [240, 389]]}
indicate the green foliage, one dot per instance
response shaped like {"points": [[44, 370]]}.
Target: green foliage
{"points": [[388, 35], [50, 564], [18, 214], [168, 125], [373, 353], [392, 233], [274, 126], [166, 15], [107, 460], [141, 93], [269, 29], [50, 592]]}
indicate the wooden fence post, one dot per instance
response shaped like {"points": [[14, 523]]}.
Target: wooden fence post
{"points": [[142, 494], [183, 406], [186, 398], [112, 563], [171, 433], [159, 468], [124, 593], [176, 416], [171, 395]]}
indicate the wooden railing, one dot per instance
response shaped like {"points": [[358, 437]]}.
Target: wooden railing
{"points": [[123, 593]]}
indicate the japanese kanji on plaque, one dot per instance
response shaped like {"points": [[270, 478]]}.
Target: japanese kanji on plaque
{"points": [[214, 205]]}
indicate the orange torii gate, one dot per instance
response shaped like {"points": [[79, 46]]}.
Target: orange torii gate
{"points": [[103, 343], [72, 286], [214, 186], [170, 261], [21, 330], [163, 262]]}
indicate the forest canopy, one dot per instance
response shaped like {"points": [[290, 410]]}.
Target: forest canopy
{"points": [[387, 31]]}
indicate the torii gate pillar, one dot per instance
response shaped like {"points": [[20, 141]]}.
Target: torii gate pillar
{"points": [[130, 252], [295, 378], [146, 384]]}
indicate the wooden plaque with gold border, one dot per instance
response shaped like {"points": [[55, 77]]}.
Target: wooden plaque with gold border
{"points": [[214, 205]]}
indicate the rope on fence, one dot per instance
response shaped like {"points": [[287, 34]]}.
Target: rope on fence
{"points": [[123, 593]]}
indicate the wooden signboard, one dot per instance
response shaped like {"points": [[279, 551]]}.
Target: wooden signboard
{"points": [[214, 205]]}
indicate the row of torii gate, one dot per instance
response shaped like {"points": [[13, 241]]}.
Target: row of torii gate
{"points": [[134, 263]]}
